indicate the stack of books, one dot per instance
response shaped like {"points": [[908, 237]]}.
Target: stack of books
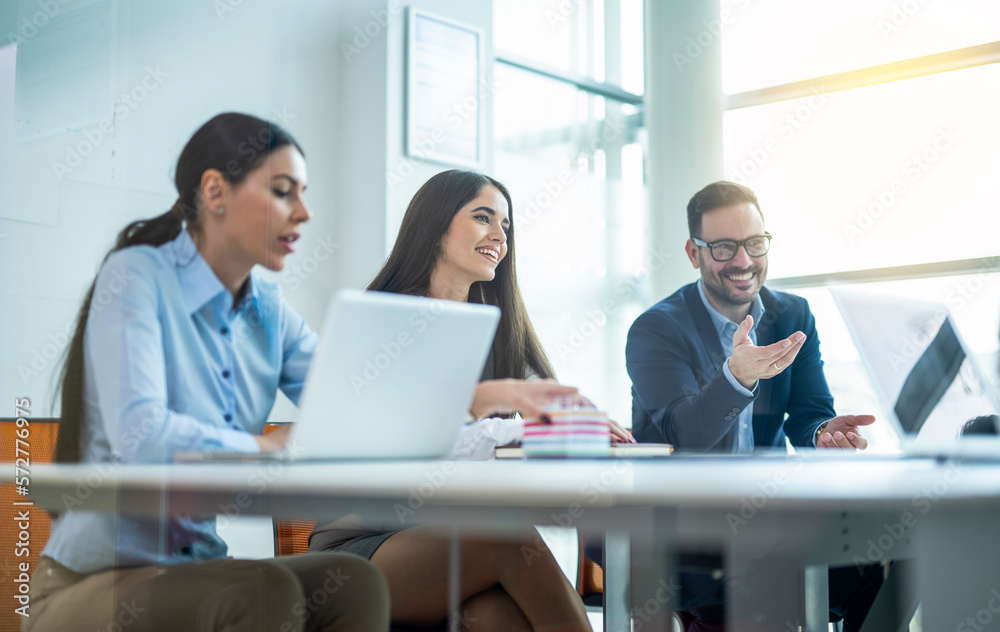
{"points": [[571, 432]]}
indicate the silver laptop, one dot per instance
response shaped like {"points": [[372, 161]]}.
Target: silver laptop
{"points": [[922, 372], [393, 378]]}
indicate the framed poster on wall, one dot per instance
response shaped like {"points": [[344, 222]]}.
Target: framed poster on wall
{"points": [[444, 75]]}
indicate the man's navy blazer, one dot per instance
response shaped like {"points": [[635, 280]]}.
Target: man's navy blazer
{"points": [[680, 394]]}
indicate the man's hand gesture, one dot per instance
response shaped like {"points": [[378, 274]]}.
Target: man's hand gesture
{"points": [[750, 363], [842, 432]]}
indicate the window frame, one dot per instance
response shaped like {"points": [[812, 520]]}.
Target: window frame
{"points": [[948, 61]]}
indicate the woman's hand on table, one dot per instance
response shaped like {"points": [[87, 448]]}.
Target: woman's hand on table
{"points": [[526, 397], [274, 440], [619, 434]]}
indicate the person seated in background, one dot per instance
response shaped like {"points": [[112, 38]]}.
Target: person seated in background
{"points": [[982, 425], [727, 365], [185, 350], [456, 242]]}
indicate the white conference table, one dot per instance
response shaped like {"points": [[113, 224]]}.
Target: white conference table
{"points": [[795, 512]]}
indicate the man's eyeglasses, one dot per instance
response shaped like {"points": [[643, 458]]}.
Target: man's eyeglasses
{"points": [[726, 249]]}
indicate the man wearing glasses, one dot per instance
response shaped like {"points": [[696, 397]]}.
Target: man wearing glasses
{"points": [[718, 365]]}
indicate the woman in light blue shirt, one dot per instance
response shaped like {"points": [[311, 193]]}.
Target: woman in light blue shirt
{"points": [[181, 346]]}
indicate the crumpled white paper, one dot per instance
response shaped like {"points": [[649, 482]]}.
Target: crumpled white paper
{"points": [[478, 440]]}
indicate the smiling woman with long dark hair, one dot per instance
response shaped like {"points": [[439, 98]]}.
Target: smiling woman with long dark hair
{"points": [[421, 257], [456, 242], [181, 346]]}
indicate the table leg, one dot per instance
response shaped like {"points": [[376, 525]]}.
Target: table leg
{"points": [[817, 598], [764, 594], [896, 601], [616, 574], [958, 569], [454, 579], [653, 588]]}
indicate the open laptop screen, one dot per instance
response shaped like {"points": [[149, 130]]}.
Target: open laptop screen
{"points": [[918, 364], [930, 378]]}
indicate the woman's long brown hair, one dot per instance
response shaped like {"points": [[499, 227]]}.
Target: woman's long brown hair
{"points": [[408, 269]]}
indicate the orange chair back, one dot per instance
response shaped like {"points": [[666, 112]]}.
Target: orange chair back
{"points": [[291, 536], [591, 580], [40, 448]]}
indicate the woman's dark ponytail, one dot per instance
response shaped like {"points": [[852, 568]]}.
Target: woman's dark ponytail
{"points": [[155, 231], [216, 145]]}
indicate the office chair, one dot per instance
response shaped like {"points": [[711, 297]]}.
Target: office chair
{"points": [[40, 448], [291, 535]]}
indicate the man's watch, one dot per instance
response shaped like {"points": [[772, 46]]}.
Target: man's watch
{"points": [[819, 431]]}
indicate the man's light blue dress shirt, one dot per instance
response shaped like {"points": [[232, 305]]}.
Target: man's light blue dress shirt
{"points": [[726, 328], [171, 365]]}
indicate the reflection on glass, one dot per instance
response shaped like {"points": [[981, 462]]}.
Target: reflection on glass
{"points": [[600, 39], [538, 31], [575, 171], [633, 63], [780, 41], [876, 176]]}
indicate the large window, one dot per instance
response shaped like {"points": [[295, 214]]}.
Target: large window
{"points": [[567, 128], [782, 41], [869, 132], [596, 39]]}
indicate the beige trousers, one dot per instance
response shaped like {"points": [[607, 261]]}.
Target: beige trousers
{"points": [[316, 592]]}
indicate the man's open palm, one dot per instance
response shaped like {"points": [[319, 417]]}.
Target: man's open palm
{"points": [[750, 363]]}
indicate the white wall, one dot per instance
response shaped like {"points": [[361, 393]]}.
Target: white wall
{"points": [[379, 71], [281, 60], [479, 14]]}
